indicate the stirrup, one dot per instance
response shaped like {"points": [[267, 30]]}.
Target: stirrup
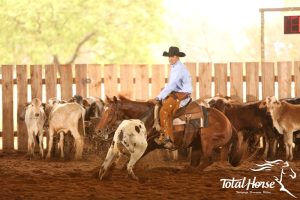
{"points": [[169, 145], [158, 141], [164, 141]]}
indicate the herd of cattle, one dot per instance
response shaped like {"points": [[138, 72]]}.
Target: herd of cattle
{"points": [[59, 117], [265, 118], [268, 118]]}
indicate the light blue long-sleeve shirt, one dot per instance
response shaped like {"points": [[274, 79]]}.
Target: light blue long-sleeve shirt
{"points": [[179, 81]]}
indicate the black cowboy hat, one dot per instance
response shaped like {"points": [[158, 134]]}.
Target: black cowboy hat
{"points": [[173, 51]]}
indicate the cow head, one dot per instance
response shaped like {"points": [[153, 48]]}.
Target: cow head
{"points": [[23, 111], [270, 103], [77, 98], [53, 101], [37, 107], [220, 103], [94, 107]]}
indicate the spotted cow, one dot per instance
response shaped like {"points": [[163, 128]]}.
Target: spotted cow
{"points": [[130, 139]]}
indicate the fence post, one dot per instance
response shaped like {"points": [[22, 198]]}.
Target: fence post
{"points": [[220, 79], [252, 81], [205, 74], [267, 79], [81, 80], [142, 82], [36, 81], [284, 79], [94, 74], [22, 100], [66, 81], [51, 81], [126, 81], [192, 67], [111, 80], [7, 102], [236, 80], [157, 79], [297, 78]]}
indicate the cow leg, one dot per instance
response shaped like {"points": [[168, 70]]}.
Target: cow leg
{"points": [[290, 152], [61, 144], [287, 152], [50, 143], [110, 157], [134, 157], [267, 148], [271, 144], [78, 144], [288, 142], [41, 142], [30, 144]]}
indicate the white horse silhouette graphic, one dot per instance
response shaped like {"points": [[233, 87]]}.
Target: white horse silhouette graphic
{"points": [[284, 170]]}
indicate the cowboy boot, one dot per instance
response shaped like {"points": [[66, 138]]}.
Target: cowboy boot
{"points": [[161, 139], [165, 141]]}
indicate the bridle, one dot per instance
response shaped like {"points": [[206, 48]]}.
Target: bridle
{"points": [[112, 120]]}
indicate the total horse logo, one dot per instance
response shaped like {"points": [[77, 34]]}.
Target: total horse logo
{"points": [[285, 172]]}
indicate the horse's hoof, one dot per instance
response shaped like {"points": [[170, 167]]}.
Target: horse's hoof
{"points": [[101, 173], [47, 158], [132, 176], [29, 158]]}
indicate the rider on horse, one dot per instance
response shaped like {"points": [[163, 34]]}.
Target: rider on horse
{"points": [[175, 95]]}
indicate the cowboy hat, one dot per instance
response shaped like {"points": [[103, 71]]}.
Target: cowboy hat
{"points": [[173, 51]]}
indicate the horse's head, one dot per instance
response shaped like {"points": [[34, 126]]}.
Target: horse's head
{"points": [[110, 117]]}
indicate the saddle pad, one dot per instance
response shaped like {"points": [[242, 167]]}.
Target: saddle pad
{"points": [[201, 116], [178, 121], [198, 122]]}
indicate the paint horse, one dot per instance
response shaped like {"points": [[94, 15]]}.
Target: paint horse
{"points": [[219, 132]]}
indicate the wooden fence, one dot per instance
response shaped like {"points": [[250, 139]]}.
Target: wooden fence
{"points": [[247, 81]]}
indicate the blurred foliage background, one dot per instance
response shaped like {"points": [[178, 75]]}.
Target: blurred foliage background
{"points": [[64, 31], [127, 31]]}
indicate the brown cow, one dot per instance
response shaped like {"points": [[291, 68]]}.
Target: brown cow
{"points": [[249, 117], [286, 120]]}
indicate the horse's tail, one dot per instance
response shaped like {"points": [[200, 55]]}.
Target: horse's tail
{"points": [[237, 147]]}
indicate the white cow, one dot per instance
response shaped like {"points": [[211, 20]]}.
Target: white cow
{"points": [[63, 118], [130, 139], [286, 120], [35, 119]]}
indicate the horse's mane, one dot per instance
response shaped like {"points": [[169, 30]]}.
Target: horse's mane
{"points": [[124, 98]]}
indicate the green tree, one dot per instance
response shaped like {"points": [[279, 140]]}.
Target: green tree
{"points": [[62, 31]]}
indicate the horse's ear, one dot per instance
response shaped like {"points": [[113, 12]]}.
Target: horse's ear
{"points": [[85, 103], [263, 104], [108, 99], [115, 99]]}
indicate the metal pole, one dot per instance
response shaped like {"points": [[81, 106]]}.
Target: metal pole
{"points": [[262, 36]]}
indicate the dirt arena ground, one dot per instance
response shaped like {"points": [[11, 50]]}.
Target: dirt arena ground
{"points": [[39, 179]]}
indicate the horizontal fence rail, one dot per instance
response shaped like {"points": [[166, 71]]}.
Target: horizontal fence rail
{"points": [[248, 81]]}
